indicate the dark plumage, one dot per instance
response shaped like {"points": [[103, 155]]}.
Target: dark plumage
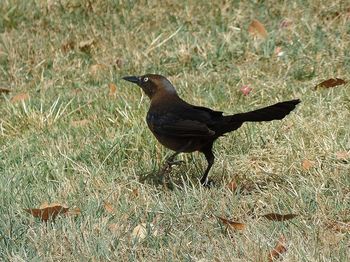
{"points": [[183, 127]]}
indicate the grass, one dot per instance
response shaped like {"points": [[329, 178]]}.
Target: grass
{"points": [[64, 54]]}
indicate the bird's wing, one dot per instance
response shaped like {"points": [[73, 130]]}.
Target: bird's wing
{"points": [[213, 113], [183, 128]]}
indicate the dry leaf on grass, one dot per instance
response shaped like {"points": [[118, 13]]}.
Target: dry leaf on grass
{"points": [[112, 89], [279, 249], [332, 82], [231, 224], [142, 230], [20, 97], [119, 62], [279, 217], [108, 207], [257, 29], [85, 46], [47, 211], [4, 90], [307, 164], [67, 46], [135, 192], [245, 90], [232, 186], [339, 226]]}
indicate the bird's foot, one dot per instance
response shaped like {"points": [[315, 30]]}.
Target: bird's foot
{"points": [[207, 183], [171, 163]]}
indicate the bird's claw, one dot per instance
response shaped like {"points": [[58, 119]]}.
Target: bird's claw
{"points": [[207, 183]]}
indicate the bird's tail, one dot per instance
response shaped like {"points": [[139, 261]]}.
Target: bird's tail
{"points": [[275, 112]]}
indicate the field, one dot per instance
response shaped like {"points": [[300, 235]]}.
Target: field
{"points": [[72, 132]]}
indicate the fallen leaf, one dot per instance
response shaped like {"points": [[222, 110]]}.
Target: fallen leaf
{"points": [[50, 211], [332, 82], [135, 192], [339, 226], [119, 62], [343, 155], [85, 46], [246, 90], [232, 186], [78, 123], [67, 46], [4, 90], [232, 224], [20, 97], [141, 231], [258, 29], [112, 89], [307, 164], [279, 249], [108, 207], [279, 217]]}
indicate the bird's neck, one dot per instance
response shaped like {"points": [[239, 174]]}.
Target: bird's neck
{"points": [[164, 98]]}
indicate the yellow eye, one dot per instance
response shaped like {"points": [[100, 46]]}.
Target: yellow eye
{"points": [[145, 79]]}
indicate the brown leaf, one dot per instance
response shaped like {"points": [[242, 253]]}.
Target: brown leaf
{"points": [[332, 82], [135, 192], [339, 226], [67, 46], [232, 224], [279, 249], [20, 97], [279, 217], [246, 90], [85, 46], [232, 186], [4, 90], [343, 155], [50, 211], [258, 29], [142, 230], [108, 207], [307, 164], [78, 123], [112, 89], [119, 62]]}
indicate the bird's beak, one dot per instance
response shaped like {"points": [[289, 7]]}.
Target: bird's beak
{"points": [[132, 79]]}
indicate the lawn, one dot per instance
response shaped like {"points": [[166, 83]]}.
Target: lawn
{"points": [[72, 132]]}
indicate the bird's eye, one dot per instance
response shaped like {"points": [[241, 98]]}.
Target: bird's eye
{"points": [[145, 79]]}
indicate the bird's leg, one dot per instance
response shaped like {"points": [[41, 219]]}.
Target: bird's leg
{"points": [[210, 158]]}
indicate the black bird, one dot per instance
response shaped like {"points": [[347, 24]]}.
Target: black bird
{"points": [[183, 127]]}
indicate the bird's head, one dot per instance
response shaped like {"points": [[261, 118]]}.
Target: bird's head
{"points": [[152, 84]]}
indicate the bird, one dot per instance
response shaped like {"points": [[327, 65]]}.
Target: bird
{"points": [[186, 128]]}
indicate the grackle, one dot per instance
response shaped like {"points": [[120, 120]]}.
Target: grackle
{"points": [[183, 127]]}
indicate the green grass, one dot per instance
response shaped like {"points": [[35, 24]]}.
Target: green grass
{"points": [[205, 50]]}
